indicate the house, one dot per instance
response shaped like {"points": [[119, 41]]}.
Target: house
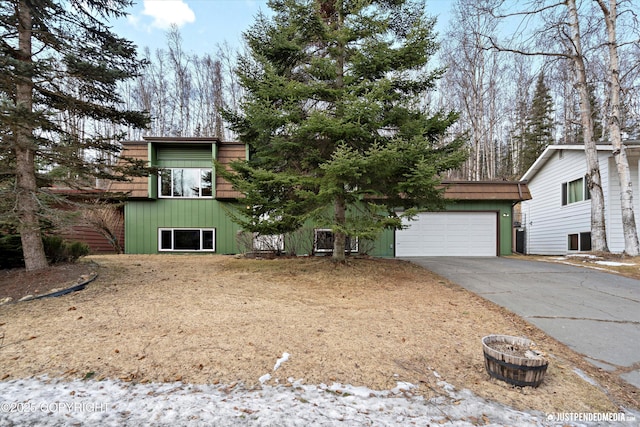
{"points": [[184, 209], [557, 220]]}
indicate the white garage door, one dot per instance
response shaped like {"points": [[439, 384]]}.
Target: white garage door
{"points": [[449, 234]]}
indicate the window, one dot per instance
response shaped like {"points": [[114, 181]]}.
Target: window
{"points": [[580, 242], [323, 242], [184, 239], [575, 191], [268, 242], [185, 183]]}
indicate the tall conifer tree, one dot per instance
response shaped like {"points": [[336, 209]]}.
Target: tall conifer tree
{"points": [[58, 56], [539, 131], [334, 119]]}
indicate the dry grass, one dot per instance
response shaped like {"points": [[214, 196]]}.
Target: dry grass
{"points": [[630, 266], [220, 320]]}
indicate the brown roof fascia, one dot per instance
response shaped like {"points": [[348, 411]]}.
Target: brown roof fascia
{"points": [[181, 140], [515, 191]]}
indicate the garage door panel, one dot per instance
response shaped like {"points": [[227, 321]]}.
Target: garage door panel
{"points": [[449, 234]]}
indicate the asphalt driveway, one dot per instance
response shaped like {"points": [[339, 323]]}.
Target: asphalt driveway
{"points": [[593, 312]]}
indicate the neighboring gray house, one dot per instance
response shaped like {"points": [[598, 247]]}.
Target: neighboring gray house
{"points": [[557, 220]]}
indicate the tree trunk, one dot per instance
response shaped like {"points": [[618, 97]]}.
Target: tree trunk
{"points": [[339, 204], [598, 225], [631, 244], [339, 238], [26, 187]]}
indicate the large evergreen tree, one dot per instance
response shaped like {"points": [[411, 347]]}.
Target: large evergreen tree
{"points": [[539, 128], [334, 119], [58, 57]]}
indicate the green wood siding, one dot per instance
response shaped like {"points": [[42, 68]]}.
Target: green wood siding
{"points": [[169, 154], [144, 218], [384, 245]]}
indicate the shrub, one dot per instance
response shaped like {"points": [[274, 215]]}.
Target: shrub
{"points": [[77, 250], [11, 250], [54, 249], [58, 250]]}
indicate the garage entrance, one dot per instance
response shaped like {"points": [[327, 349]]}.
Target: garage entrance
{"points": [[449, 234]]}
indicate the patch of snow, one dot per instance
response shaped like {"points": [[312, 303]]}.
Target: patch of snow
{"points": [[590, 256], [284, 358], [55, 402], [402, 387], [613, 263], [263, 379]]}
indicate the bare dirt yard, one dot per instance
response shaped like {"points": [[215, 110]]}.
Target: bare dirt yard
{"points": [[222, 320]]}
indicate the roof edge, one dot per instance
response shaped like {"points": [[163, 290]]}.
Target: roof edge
{"points": [[548, 152]]}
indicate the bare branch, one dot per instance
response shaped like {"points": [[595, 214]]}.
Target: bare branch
{"points": [[495, 46]]}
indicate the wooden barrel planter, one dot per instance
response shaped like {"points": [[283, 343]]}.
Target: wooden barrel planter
{"points": [[514, 360]]}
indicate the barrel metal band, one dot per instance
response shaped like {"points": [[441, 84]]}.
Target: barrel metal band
{"points": [[518, 367], [514, 366], [515, 382]]}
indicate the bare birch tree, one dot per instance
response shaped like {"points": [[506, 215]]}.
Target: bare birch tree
{"points": [[594, 180], [185, 92], [181, 83], [561, 21], [631, 244], [471, 84], [209, 96]]}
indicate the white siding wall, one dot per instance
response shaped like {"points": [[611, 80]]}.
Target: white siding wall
{"points": [[615, 237], [547, 222]]}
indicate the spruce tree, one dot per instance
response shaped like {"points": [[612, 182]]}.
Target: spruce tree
{"points": [[539, 132], [58, 57], [596, 116], [334, 119]]}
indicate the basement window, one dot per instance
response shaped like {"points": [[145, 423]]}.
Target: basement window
{"points": [[323, 242], [186, 239], [579, 242]]}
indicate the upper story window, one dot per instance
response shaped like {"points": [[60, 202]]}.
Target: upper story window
{"points": [[185, 182], [575, 191]]}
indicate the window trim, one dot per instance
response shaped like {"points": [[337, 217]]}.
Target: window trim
{"points": [[582, 241], [171, 171], [349, 249], [201, 237], [584, 196]]}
